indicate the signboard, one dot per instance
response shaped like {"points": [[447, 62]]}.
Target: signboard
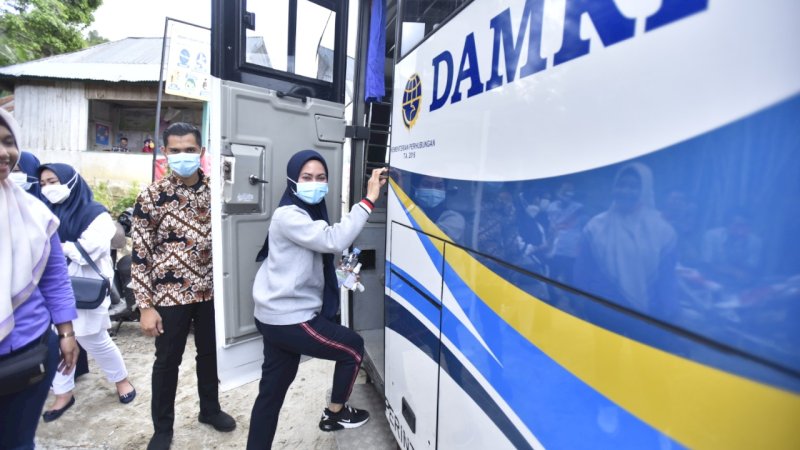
{"points": [[188, 63]]}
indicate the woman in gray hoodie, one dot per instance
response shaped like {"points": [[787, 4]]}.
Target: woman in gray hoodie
{"points": [[296, 297]]}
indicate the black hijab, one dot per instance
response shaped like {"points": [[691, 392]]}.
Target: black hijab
{"points": [[80, 209], [29, 164], [330, 293]]}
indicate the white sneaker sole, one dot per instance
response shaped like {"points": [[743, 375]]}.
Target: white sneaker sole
{"points": [[348, 425]]}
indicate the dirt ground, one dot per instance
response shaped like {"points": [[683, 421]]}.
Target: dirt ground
{"points": [[99, 421]]}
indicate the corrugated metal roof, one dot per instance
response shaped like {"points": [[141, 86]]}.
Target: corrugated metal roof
{"points": [[130, 59]]}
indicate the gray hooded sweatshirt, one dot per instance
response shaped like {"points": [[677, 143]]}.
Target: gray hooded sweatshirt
{"points": [[289, 283]]}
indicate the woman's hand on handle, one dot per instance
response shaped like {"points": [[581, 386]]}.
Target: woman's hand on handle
{"points": [[375, 183]]}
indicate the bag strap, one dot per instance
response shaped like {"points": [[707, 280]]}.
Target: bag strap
{"points": [[89, 260]]}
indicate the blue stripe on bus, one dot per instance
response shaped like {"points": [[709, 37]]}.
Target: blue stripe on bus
{"points": [[552, 414], [415, 294], [407, 325], [560, 409], [648, 333]]}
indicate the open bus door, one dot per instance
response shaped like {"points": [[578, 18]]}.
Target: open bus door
{"points": [[273, 95]]}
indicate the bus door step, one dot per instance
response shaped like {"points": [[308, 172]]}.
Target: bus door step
{"points": [[375, 434]]}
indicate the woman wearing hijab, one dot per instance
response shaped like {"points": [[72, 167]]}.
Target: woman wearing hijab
{"points": [[35, 291], [26, 174], [296, 297], [628, 252], [84, 222]]}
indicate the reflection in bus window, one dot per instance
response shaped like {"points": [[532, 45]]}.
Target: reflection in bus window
{"points": [[269, 45], [628, 251]]}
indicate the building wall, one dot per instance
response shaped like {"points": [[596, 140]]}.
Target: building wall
{"points": [[53, 115], [56, 126], [115, 168]]}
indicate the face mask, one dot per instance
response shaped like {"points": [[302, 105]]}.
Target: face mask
{"points": [[532, 211], [184, 164], [430, 198], [20, 179], [56, 193], [311, 192]]}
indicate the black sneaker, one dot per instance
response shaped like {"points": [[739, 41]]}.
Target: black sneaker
{"points": [[348, 417]]}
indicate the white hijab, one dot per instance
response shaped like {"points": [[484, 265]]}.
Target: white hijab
{"points": [[26, 226], [628, 247]]}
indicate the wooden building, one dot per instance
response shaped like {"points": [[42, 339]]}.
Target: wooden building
{"points": [[75, 108]]}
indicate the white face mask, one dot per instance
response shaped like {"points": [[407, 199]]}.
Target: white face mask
{"points": [[55, 193], [20, 179]]}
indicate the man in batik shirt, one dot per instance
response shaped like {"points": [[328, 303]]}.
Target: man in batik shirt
{"points": [[172, 280]]}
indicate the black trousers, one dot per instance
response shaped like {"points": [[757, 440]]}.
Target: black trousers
{"points": [[283, 345], [169, 353]]}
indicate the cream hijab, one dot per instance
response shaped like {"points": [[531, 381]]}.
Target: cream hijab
{"points": [[26, 226]]}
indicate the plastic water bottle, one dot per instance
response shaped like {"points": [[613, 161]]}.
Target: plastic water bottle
{"points": [[352, 260], [346, 273]]}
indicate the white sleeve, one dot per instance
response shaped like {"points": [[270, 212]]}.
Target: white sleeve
{"points": [[317, 235], [95, 240]]}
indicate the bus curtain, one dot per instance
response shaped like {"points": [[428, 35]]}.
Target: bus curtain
{"points": [[375, 81]]}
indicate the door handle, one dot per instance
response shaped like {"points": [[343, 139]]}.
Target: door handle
{"points": [[254, 180]]}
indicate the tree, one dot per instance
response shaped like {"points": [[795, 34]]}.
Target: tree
{"points": [[94, 38], [32, 29]]}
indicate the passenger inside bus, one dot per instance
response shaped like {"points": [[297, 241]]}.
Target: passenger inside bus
{"points": [[430, 194], [566, 216]]}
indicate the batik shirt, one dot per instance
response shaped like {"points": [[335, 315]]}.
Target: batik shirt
{"points": [[171, 260]]}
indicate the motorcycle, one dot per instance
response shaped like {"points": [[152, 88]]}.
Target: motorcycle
{"points": [[123, 304]]}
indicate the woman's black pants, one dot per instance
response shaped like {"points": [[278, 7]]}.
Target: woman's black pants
{"points": [[283, 345]]}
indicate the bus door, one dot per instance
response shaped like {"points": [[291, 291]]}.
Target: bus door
{"points": [[372, 126], [274, 93], [413, 323]]}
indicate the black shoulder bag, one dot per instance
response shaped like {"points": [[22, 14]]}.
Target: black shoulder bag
{"points": [[89, 292], [24, 367]]}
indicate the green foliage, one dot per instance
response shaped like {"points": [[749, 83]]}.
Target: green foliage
{"points": [[116, 200], [94, 38], [32, 29]]}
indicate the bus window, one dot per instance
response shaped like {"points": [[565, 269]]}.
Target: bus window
{"points": [[311, 53], [422, 17], [295, 47]]}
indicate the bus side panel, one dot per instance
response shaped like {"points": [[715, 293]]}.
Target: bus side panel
{"points": [[413, 316]]}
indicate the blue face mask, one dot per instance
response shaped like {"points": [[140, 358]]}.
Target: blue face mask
{"points": [[311, 192], [429, 198], [184, 164]]}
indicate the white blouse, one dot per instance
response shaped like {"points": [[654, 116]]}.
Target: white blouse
{"points": [[96, 242]]}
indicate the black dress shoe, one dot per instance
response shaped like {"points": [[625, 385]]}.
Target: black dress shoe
{"points": [[54, 414], [221, 421], [160, 441]]}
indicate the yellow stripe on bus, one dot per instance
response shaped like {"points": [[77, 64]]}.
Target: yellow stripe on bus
{"points": [[697, 405]]}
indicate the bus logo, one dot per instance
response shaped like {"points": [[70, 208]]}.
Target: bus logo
{"points": [[412, 98]]}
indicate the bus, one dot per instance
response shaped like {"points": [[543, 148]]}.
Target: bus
{"points": [[589, 234]]}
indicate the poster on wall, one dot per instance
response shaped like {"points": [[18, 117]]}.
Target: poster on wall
{"points": [[102, 134], [188, 71]]}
